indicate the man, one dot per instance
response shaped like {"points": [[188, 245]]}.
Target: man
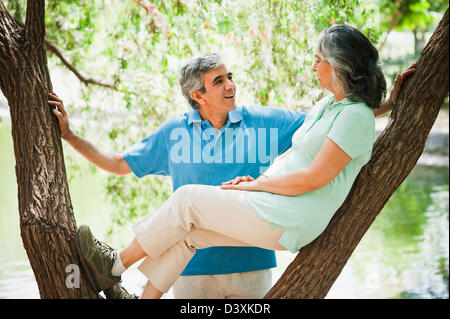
{"points": [[211, 144]]}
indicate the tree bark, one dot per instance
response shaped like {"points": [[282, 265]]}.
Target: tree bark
{"points": [[47, 222], [395, 153]]}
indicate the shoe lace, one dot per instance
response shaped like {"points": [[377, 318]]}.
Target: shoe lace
{"points": [[119, 292], [126, 293], [106, 249]]}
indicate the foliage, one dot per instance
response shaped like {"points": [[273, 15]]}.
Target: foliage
{"points": [[411, 14], [140, 46]]}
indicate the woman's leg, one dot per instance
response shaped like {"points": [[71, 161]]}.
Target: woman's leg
{"points": [[162, 271], [226, 212], [150, 292], [195, 217], [131, 253]]}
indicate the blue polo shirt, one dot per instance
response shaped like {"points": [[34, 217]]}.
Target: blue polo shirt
{"points": [[191, 151]]}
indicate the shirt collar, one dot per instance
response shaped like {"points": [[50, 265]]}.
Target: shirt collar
{"points": [[234, 116], [194, 116], [341, 102]]}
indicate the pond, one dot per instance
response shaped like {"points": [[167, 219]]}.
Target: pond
{"points": [[404, 254]]}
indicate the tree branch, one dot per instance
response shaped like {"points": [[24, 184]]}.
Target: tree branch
{"points": [[35, 22], [394, 21], [53, 49]]}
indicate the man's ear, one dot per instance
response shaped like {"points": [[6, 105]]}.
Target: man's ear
{"points": [[197, 96]]}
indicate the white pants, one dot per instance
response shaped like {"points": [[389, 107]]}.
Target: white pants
{"points": [[242, 285], [196, 217]]}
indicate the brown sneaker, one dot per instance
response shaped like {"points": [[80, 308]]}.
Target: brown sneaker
{"points": [[97, 259], [118, 292]]}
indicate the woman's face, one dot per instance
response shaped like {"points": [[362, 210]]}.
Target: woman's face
{"points": [[324, 73]]}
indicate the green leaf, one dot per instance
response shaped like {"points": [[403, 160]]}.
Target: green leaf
{"points": [[224, 27]]}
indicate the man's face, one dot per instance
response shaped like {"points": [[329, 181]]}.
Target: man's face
{"points": [[220, 90]]}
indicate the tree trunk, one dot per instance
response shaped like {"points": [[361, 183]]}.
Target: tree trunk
{"points": [[47, 222], [395, 153]]}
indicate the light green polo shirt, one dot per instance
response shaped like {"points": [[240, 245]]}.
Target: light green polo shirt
{"points": [[351, 125]]}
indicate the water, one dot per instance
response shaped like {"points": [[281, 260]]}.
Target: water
{"points": [[403, 255]]}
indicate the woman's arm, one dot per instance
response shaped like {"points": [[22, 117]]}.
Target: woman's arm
{"points": [[328, 163]]}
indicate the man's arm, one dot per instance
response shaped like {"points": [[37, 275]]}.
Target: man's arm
{"points": [[398, 83], [108, 160]]}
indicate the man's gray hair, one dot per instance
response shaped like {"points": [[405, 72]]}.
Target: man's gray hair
{"points": [[190, 79]]}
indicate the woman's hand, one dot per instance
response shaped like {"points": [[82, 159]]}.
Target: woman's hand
{"points": [[396, 88], [398, 82], [247, 183]]}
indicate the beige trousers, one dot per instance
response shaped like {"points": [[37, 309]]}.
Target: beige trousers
{"points": [[196, 217], [242, 285]]}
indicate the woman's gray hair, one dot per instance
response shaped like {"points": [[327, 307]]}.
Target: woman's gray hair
{"points": [[355, 62], [190, 79]]}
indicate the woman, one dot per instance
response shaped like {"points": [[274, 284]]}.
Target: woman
{"points": [[285, 208]]}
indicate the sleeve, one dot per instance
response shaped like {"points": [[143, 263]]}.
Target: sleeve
{"points": [[353, 130], [287, 122], [149, 156]]}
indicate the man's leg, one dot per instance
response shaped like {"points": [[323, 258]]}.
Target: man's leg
{"points": [[249, 285], [198, 287], [246, 285]]}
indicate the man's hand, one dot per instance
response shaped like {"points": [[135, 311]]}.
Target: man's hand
{"points": [[60, 113]]}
